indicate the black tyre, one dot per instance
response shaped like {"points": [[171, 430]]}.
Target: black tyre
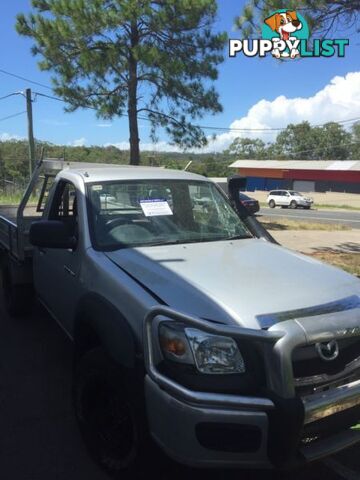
{"points": [[293, 204], [18, 299], [272, 204], [110, 408]]}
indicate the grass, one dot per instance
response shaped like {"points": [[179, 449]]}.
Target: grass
{"points": [[350, 262], [287, 224], [340, 207], [11, 199]]}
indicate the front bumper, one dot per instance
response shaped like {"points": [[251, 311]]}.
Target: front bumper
{"points": [[207, 429]]}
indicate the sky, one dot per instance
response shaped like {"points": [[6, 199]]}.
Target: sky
{"points": [[255, 93]]}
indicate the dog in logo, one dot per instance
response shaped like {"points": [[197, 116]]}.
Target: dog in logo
{"points": [[284, 24]]}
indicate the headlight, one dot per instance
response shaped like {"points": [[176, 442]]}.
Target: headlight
{"points": [[215, 354], [210, 354]]}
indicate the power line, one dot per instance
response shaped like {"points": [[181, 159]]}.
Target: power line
{"points": [[58, 99], [12, 116], [264, 130], [344, 121], [10, 95], [25, 79], [204, 127], [317, 149]]}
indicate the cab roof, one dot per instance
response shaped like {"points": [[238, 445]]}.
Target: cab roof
{"points": [[101, 172]]}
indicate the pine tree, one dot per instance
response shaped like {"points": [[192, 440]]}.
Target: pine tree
{"points": [[141, 58]]}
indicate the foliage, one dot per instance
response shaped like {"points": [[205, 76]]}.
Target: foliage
{"points": [[248, 148], [323, 16], [356, 141], [138, 58], [14, 161], [303, 142], [296, 142]]}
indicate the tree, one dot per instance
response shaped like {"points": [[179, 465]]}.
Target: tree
{"points": [[247, 148], [355, 139], [334, 142], [304, 142], [322, 16], [152, 58], [298, 142]]}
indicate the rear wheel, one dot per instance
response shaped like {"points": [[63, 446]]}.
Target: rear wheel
{"points": [[293, 204], [272, 204], [110, 408]]}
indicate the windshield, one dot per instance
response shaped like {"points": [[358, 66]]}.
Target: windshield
{"points": [[157, 212], [296, 194]]}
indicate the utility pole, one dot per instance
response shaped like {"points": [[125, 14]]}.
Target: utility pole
{"points": [[30, 131]]}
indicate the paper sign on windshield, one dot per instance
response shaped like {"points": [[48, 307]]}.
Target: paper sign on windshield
{"points": [[155, 207]]}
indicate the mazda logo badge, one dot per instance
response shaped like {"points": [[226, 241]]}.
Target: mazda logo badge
{"points": [[328, 351]]}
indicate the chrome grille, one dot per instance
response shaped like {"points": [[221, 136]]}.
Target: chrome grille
{"points": [[312, 374]]}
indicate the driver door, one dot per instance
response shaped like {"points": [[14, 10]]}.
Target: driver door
{"points": [[56, 272]]}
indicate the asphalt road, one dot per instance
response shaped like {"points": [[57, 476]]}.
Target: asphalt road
{"points": [[39, 439], [350, 218]]}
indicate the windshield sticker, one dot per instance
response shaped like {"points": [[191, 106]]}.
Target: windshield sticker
{"points": [[97, 188], [155, 207]]}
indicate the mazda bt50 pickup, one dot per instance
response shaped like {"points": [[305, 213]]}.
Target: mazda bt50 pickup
{"points": [[194, 332]]}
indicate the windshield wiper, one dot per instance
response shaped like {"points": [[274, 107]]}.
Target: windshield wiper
{"points": [[239, 237], [196, 240], [163, 242]]}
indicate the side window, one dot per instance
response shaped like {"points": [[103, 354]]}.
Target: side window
{"points": [[65, 202], [37, 202], [48, 182], [64, 206]]}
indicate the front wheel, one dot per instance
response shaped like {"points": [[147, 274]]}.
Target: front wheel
{"points": [[293, 204], [272, 204], [110, 408]]}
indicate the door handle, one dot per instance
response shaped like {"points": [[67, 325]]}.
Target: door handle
{"points": [[42, 251], [69, 271]]}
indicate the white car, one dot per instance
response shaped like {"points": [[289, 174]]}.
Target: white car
{"points": [[288, 198]]}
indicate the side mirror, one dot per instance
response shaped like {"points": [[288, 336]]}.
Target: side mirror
{"points": [[51, 234], [235, 185]]}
